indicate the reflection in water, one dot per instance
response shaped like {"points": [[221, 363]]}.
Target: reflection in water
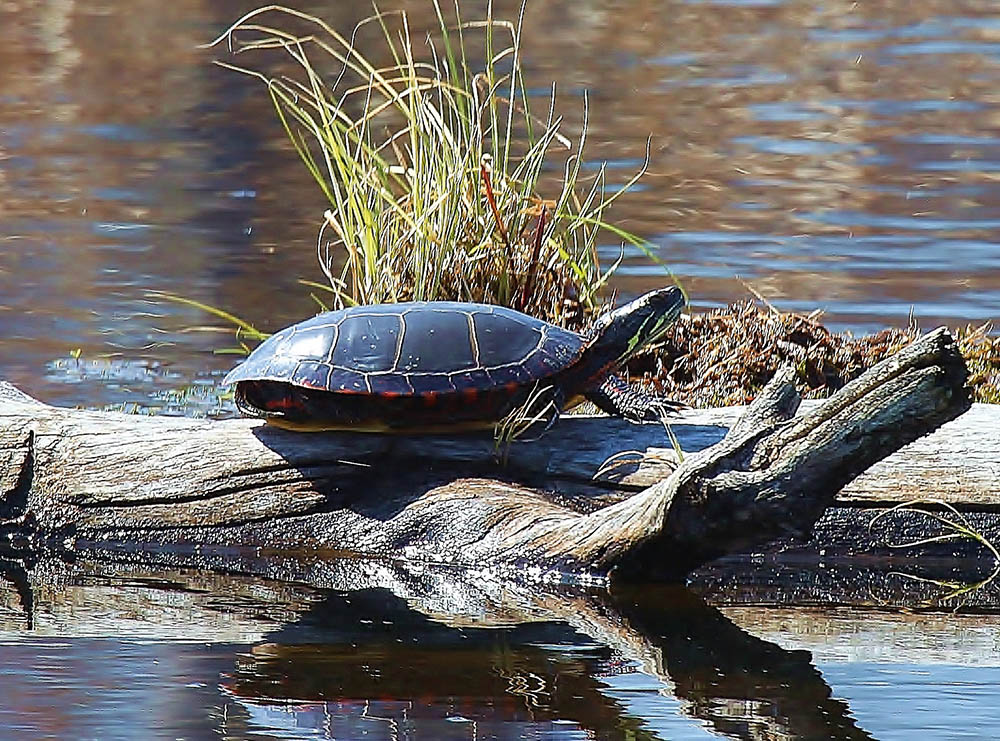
{"points": [[377, 660], [746, 687], [400, 655], [741, 686]]}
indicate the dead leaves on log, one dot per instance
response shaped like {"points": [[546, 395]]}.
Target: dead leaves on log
{"points": [[725, 357]]}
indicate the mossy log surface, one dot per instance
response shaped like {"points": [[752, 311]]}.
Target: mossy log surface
{"points": [[81, 478]]}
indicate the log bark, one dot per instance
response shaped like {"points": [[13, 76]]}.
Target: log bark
{"points": [[82, 478]]}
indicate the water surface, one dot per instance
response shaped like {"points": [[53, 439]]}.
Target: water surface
{"points": [[109, 651], [833, 155]]}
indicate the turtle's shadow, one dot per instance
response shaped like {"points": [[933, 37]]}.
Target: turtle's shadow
{"points": [[377, 476]]}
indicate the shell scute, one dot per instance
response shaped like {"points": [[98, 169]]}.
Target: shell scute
{"points": [[311, 343], [390, 384], [430, 383], [474, 379], [506, 374], [368, 343], [436, 342], [311, 374], [348, 381], [541, 365], [282, 366], [504, 337]]}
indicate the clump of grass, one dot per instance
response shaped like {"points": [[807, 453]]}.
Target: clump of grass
{"points": [[533, 417], [433, 164]]}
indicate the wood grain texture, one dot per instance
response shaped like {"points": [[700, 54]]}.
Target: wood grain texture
{"points": [[959, 462], [117, 478]]}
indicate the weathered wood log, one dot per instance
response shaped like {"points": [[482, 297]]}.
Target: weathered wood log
{"points": [[960, 462], [92, 477]]}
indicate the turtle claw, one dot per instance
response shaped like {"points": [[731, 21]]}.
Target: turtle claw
{"points": [[617, 397]]}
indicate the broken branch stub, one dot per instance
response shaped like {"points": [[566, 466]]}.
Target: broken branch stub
{"points": [[774, 474]]}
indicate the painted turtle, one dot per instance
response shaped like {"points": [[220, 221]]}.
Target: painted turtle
{"points": [[442, 366]]}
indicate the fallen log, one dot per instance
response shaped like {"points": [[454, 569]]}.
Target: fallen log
{"points": [[82, 478]]}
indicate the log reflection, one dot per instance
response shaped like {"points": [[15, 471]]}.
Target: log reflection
{"points": [[340, 645]]}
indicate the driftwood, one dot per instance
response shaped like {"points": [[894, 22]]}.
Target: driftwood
{"points": [[84, 479]]}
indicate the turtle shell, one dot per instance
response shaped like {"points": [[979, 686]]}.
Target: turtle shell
{"points": [[413, 349]]}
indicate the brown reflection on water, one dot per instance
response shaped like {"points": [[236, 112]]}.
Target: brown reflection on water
{"points": [[350, 648], [836, 155]]}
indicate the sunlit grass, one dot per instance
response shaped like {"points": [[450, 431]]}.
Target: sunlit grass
{"points": [[435, 169], [244, 329], [981, 351], [532, 417], [956, 527]]}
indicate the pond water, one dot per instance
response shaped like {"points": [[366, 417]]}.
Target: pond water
{"points": [[832, 155], [358, 650]]}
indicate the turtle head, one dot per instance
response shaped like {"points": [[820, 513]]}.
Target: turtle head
{"points": [[620, 334]]}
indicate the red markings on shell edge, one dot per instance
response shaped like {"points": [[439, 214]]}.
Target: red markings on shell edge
{"points": [[311, 385], [283, 404], [470, 395], [511, 387], [430, 398]]}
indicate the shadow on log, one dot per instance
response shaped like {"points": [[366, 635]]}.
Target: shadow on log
{"points": [[81, 478]]}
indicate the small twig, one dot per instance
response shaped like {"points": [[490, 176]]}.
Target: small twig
{"points": [[484, 169], [960, 528], [619, 460], [529, 278], [760, 297]]}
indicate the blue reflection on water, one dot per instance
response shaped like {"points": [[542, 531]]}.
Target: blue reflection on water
{"points": [[942, 701], [786, 111], [899, 221], [99, 688], [795, 146]]}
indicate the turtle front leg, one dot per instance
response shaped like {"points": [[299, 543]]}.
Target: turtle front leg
{"points": [[617, 397]]}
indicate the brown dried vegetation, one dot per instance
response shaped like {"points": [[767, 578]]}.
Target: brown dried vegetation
{"points": [[725, 357], [981, 351]]}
